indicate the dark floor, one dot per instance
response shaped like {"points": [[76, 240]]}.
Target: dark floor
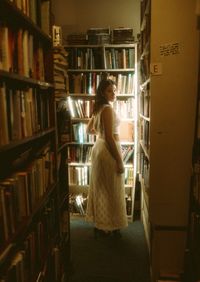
{"points": [[108, 259]]}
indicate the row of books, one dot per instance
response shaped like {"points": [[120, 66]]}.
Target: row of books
{"points": [[28, 261], [81, 154], [145, 34], [80, 175], [144, 169], [129, 176], [127, 154], [119, 58], [85, 58], [21, 53], [63, 121], [145, 136], [20, 193], [79, 134], [87, 83], [88, 58], [144, 104], [144, 68], [124, 108], [37, 11], [84, 108], [22, 112], [80, 108]]}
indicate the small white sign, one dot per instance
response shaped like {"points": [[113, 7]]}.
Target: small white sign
{"points": [[156, 68]]}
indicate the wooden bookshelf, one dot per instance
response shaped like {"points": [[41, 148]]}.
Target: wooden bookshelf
{"points": [[33, 230], [88, 64]]}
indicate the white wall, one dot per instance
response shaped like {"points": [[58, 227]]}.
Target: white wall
{"points": [[79, 15]]}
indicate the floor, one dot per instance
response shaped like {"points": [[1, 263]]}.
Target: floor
{"points": [[107, 259]]}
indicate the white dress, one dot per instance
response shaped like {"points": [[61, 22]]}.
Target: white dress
{"points": [[106, 206]]}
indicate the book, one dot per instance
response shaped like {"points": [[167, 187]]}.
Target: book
{"points": [[4, 137]]}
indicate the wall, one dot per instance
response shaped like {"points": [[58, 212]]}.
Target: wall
{"points": [[173, 104], [79, 15]]}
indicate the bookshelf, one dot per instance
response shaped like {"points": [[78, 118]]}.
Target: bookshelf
{"points": [[166, 129], [192, 254], [33, 211], [88, 64]]}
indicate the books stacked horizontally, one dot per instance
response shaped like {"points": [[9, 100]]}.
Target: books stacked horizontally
{"points": [[98, 35], [122, 35], [77, 39], [60, 72]]}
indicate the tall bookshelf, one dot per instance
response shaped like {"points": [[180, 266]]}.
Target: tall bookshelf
{"points": [[166, 129], [33, 223], [88, 64], [192, 254]]}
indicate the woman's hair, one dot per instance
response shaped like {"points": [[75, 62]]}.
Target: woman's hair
{"points": [[100, 98]]}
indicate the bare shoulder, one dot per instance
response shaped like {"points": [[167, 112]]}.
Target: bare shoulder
{"points": [[107, 110]]}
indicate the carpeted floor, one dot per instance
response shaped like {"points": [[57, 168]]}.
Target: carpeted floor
{"points": [[108, 259]]}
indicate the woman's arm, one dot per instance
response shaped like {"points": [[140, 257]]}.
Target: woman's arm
{"points": [[90, 126], [107, 120]]}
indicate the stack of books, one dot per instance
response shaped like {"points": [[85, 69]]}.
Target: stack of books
{"points": [[60, 71], [77, 39], [122, 35], [98, 35]]}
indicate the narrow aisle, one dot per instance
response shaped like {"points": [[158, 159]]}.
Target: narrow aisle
{"points": [[108, 259]]}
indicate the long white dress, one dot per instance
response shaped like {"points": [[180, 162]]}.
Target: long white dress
{"points": [[106, 206]]}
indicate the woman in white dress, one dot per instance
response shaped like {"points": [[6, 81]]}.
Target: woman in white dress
{"points": [[106, 206]]}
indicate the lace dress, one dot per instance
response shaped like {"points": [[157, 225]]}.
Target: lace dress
{"points": [[106, 200]]}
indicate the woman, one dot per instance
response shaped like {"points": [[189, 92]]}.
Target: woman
{"points": [[106, 200]]}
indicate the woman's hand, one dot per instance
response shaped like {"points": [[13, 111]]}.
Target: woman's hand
{"points": [[120, 167], [90, 126]]}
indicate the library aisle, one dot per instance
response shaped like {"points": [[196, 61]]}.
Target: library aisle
{"points": [[108, 259]]}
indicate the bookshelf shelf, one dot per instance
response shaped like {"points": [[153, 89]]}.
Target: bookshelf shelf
{"points": [[14, 77], [13, 145], [78, 143], [78, 164], [29, 180], [92, 96], [85, 120], [81, 95], [24, 226], [102, 70], [81, 71], [126, 143], [20, 18], [100, 46]]}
